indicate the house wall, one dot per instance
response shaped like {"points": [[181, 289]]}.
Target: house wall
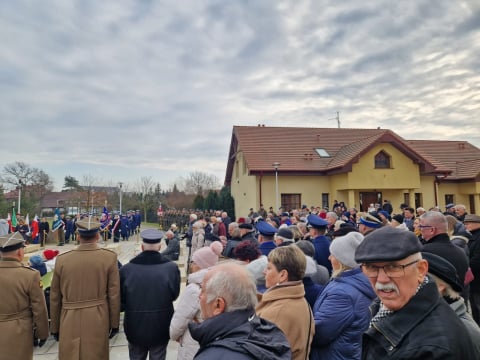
{"points": [[403, 177]]}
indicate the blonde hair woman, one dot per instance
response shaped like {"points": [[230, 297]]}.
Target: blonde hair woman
{"points": [[284, 303]]}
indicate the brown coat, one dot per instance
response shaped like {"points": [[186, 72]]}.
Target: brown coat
{"points": [[22, 307], [85, 301], [286, 307]]}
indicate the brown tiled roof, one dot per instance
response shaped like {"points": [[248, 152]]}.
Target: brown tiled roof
{"points": [[459, 157], [294, 149]]}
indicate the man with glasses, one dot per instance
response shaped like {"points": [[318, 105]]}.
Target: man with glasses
{"points": [[433, 228], [410, 319]]}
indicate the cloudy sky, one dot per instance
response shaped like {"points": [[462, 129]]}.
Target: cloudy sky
{"points": [[121, 90]]}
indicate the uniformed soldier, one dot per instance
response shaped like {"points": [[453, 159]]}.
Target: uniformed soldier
{"points": [[23, 311], [85, 297]]}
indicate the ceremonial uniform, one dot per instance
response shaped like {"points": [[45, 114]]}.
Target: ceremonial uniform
{"points": [[85, 298], [22, 309]]}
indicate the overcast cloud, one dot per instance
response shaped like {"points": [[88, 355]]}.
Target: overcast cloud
{"points": [[127, 89]]}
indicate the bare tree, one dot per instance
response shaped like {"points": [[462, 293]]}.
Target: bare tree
{"points": [[19, 171], [198, 182]]}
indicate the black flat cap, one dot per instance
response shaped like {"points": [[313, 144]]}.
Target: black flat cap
{"points": [[387, 244], [444, 269]]}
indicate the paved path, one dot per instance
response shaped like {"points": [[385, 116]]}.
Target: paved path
{"points": [[126, 250]]}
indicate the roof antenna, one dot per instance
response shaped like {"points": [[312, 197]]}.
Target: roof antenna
{"points": [[337, 118]]}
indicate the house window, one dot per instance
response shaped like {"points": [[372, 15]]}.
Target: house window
{"points": [[418, 200], [291, 201], [406, 198], [449, 199], [325, 201], [471, 200], [382, 160]]}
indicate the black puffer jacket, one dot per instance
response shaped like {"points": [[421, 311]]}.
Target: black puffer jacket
{"points": [[149, 285], [425, 328], [239, 335]]}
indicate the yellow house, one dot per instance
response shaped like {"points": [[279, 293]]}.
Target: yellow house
{"points": [[289, 167]]}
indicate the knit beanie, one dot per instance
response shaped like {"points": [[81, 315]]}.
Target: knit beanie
{"points": [[207, 256], [49, 254], [344, 247], [36, 260]]}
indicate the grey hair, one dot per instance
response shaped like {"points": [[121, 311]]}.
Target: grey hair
{"points": [[436, 219], [233, 283], [448, 292], [169, 232]]}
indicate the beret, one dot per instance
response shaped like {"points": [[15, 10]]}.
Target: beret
{"points": [[285, 214], [387, 244], [472, 218], [88, 225], [246, 226], [151, 236], [286, 234], [316, 222], [265, 228], [398, 218], [11, 242], [444, 269], [449, 206], [344, 230]]}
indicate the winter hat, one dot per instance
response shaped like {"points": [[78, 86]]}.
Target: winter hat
{"points": [[286, 234], [207, 256], [49, 254], [36, 260], [398, 218], [344, 247]]}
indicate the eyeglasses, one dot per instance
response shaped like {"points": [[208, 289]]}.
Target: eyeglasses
{"points": [[425, 226], [391, 270]]}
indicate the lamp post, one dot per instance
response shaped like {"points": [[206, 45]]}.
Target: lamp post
{"points": [[275, 166], [120, 186], [19, 188]]}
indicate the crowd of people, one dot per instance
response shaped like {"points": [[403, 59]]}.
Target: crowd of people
{"points": [[307, 283]]}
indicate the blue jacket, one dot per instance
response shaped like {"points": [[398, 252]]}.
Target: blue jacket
{"points": [[322, 251], [341, 315]]}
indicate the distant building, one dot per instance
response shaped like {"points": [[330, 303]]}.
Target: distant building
{"points": [[316, 166]]}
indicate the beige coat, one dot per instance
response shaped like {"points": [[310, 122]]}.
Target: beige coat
{"points": [[22, 308], [85, 301], [285, 306]]}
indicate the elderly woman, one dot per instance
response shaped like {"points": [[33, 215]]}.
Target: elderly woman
{"points": [[341, 311], [284, 303], [188, 306], [198, 237]]}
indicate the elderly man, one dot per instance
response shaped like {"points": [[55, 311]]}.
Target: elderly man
{"points": [[23, 312], [85, 297], [368, 223], [410, 319], [149, 285], [172, 251], [230, 329], [460, 212], [472, 223], [433, 228]]}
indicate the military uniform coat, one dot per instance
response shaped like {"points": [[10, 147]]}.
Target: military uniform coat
{"points": [[85, 301], [22, 308]]}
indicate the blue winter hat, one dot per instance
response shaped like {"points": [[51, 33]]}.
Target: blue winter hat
{"points": [[36, 260]]}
